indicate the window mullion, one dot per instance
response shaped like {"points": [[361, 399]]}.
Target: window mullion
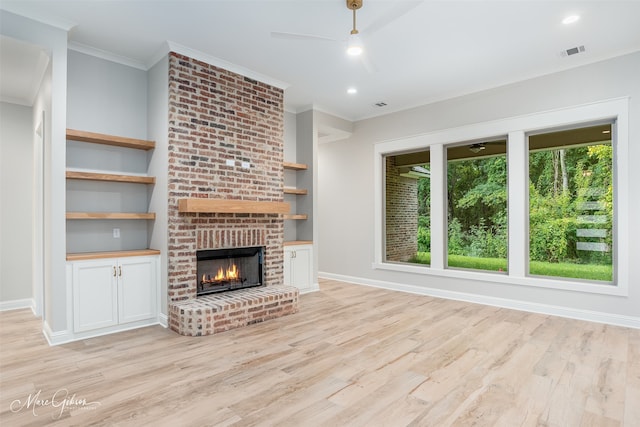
{"points": [[518, 203], [438, 207]]}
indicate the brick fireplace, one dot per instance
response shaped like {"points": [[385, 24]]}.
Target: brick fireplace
{"points": [[225, 142]]}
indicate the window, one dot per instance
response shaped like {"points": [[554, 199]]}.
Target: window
{"points": [[559, 179], [571, 203], [477, 205], [407, 214]]}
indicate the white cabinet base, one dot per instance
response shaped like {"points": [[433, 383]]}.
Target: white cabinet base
{"points": [[298, 267], [113, 294]]}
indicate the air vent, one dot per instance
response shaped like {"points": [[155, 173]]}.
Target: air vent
{"points": [[572, 51], [380, 104]]}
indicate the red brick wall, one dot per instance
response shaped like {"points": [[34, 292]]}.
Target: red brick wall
{"points": [[401, 214], [214, 116]]}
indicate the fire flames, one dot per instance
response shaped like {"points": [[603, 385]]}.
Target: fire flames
{"points": [[229, 274]]}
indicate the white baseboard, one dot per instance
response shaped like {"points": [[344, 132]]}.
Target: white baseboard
{"points": [[56, 338], [17, 304], [572, 313], [67, 336], [163, 320], [313, 288]]}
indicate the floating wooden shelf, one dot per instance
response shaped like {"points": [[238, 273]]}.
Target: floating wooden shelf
{"points": [[295, 166], [95, 176], [296, 216], [298, 242], [231, 206], [81, 256], [117, 141], [297, 191], [111, 215]]}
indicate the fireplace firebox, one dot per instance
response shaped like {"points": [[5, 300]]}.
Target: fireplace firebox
{"points": [[228, 269]]}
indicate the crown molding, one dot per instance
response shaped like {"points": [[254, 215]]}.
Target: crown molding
{"points": [[106, 55], [212, 60]]}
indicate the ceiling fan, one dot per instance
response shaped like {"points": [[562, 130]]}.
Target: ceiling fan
{"points": [[355, 46]]}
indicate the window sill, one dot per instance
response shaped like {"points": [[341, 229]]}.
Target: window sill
{"points": [[559, 283]]}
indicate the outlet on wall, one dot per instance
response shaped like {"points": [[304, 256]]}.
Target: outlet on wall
{"points": [[116, 233]]}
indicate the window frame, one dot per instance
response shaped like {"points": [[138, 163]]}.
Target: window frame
{"points": [[516, 128]]}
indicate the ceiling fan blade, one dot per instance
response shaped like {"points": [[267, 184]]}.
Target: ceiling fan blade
{"points": [[368, 64], [400, 9], [298, 36]]}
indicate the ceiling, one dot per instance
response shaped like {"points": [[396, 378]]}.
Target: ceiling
{"points": [[417, 51]]}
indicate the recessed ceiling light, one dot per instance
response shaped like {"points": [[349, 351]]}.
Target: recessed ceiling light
{"points": [[570, 19], [352, 91]]}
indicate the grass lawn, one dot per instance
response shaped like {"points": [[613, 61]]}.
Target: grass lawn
{"points": [[575, 271]]}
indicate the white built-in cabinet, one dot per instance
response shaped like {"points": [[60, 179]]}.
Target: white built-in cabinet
{"points": [[298, 261], [111, 292], [113, 286]]}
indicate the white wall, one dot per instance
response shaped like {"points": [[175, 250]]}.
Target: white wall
{"points": [[346, 172], [16, 204]]}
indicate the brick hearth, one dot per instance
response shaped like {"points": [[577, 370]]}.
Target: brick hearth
{"points": [[216, 313]]}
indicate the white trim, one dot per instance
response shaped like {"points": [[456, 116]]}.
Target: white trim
{"points": [[18, 101], [158, 56], [212, 60], [67, 336], [309, 289], [34, 12], [163, 320], [55, 338], [17, 304], [37, 250], [609, 109], [556, 283], [571, 313], [106, 55], [517, 203]]}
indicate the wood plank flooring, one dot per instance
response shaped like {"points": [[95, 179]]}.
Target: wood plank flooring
{"points": [[352, 356]]}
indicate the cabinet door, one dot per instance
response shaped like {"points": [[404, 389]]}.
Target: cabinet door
{"points": [[95, 295], [136, 289], [301, 271], [288, 258]]}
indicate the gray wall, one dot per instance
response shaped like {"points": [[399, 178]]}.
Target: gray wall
{"points": [[106, 97], [290, 177], [158, 126], [54, 41], [16, 201], [346, 171], [110, 98]]}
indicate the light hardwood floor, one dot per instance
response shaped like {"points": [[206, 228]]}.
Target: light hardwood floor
{"points": [[352, 356]]}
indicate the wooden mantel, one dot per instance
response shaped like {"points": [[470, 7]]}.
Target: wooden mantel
{"points": [[231, 206]]}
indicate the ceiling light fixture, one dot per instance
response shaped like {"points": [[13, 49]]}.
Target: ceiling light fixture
{"points": [[354, 46], [352, 91], [476, 148], [570, 19]]}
